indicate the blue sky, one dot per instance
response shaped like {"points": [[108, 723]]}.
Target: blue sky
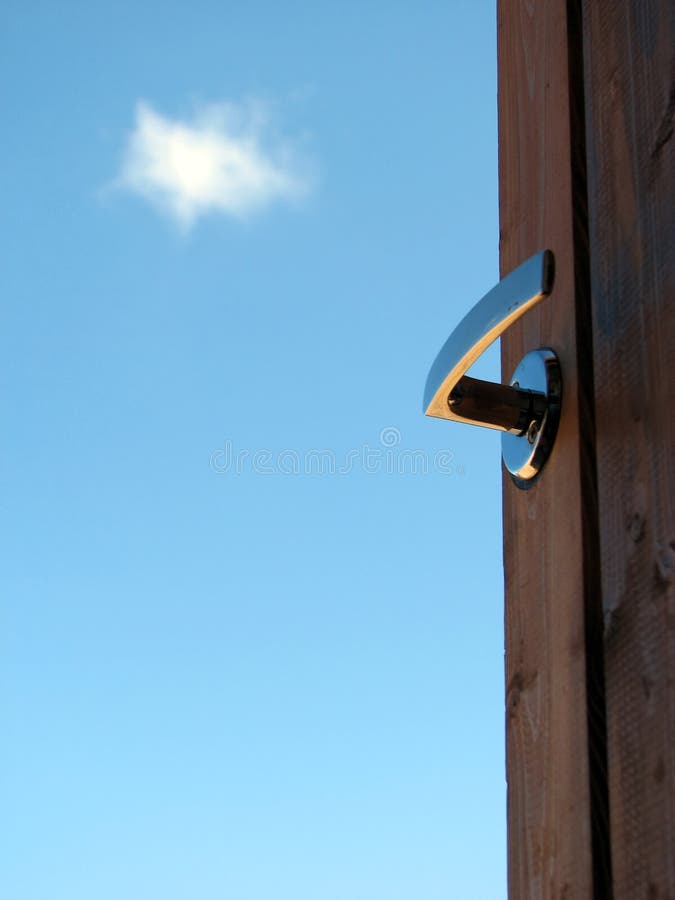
{"points": [[246, 229]]}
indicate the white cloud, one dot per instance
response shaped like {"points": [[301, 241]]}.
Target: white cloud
{"points": [[227, 159]]}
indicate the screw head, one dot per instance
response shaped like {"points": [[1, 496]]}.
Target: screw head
{"points": [[532, 431]]}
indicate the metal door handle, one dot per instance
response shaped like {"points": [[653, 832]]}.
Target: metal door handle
{"points": [[528, 409]]}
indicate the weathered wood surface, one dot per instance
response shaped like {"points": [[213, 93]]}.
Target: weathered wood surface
{"points": [[548, 573], [630, 103]]}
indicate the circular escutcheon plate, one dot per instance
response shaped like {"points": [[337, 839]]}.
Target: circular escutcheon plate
{"points": [[524, 455]]}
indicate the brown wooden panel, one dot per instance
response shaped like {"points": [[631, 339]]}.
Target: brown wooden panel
{"points": [[546, 529], [630, 101]]}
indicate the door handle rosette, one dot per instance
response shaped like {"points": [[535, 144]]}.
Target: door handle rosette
{"points": [[527, 409]]}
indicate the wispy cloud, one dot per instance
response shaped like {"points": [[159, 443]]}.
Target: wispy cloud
{"points": [[227, 159]]}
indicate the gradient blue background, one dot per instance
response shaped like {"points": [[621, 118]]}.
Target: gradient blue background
{"points": [[246, 687]]}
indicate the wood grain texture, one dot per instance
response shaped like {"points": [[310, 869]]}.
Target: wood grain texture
{"points": [[630, 103], [545, 548]]}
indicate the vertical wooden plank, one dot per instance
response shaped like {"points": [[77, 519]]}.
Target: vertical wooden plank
{"points": [[546, 546], [630, 101]]}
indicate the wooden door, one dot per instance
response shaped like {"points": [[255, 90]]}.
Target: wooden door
{"points": [[585, 164]]}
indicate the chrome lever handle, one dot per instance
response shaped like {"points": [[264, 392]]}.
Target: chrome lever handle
{"points": [[527, 409]]}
